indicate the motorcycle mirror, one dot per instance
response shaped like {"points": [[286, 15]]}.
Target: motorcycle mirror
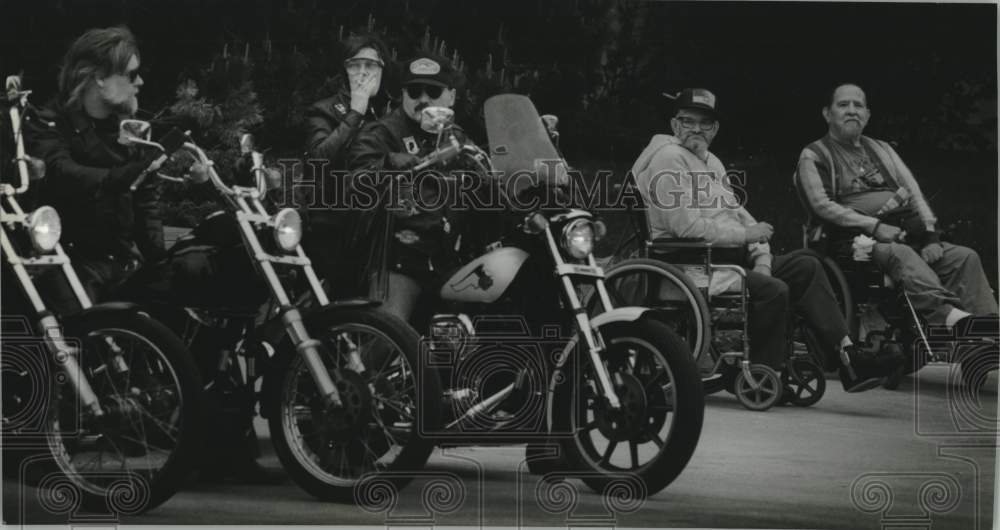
{"points": [[551, 122], [246, 143], [129, 130], [535, 223], [436, 119], [13, 86]]}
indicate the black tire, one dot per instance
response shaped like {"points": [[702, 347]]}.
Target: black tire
{"points": [[675, 373], [679, 302], [349, 427], [913, 358], [804, 382], [802, 375], [161, 388], [543, 458]]}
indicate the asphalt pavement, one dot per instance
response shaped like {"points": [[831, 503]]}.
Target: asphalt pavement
{"points": [[922, 456]]}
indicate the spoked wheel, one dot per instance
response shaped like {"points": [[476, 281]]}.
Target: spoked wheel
{"points": [[653, 435], [650, 283], [136, 455], [330, 451], [804, 382], [762, 390]]}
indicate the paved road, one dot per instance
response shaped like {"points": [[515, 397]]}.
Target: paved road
{"points": [[922, 457]]}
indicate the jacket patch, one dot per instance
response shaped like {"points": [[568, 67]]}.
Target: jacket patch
{"points": [[411, 144], [340, 108]]}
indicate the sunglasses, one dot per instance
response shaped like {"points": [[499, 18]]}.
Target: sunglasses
{"points": [[132, 75], [432, 91]]}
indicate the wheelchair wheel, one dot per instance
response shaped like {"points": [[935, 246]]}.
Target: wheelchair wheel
{"points": [[913, 359], [679, 303], [762, 391], [804, 382]]}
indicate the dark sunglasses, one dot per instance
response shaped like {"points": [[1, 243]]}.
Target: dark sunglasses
{"points": [[432, 91], [132, 75]]}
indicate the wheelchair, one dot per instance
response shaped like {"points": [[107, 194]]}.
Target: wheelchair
{"points": [[706, 301], [882, 317]]}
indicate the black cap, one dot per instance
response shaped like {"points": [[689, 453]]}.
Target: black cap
{"points": [[429, 69]]}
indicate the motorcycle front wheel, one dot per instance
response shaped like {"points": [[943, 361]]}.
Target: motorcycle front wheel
{"points": [[377, 433], [641, 448], [136, 455]]}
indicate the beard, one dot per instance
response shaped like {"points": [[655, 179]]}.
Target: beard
{"points": [[126, 108], [696, 144]]}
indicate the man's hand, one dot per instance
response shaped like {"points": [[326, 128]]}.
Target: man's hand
{"points": [[402, 160], [759, 233], [887, 233], [932, 252], [362, 90], [762, 269]]}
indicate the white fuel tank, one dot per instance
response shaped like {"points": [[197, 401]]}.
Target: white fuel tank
{"points": [[485, 278]]}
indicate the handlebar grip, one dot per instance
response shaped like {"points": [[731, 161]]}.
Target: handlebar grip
{"points": [[142, 176]]}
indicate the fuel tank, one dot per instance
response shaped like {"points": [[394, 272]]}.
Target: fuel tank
{"points": [[484, 279]]}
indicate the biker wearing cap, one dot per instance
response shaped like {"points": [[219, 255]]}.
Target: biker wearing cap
{"points": [[331, 125], [421, 242], [688, 195]]}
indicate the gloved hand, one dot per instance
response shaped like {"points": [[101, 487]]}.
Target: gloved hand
{"points": [[402, 160], [121, 177]]}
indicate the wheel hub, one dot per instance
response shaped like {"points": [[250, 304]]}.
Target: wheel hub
{"points": [[628, 422], [345, 422]]}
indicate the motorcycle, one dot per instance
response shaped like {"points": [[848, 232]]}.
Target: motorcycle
{"points": [[100, 407], [616, 393], [341, 387]]}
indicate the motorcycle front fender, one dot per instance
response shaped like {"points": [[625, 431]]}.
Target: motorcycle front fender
{"points": [[273, 331], [104, 308], [618, 314]]}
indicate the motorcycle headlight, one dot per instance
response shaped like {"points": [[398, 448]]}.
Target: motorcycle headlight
{"points": [[44, 228], [578, 238], [287, 229]]}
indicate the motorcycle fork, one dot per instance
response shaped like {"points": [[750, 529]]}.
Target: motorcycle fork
{"points": [[306, 346], [592, 339], [65, 355]]}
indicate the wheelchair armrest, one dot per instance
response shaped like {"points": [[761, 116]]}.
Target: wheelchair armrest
{"points": [[678, 243]]}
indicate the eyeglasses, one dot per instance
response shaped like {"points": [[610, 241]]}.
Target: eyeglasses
{"points": [[432, 91], [354, 65], [691, 123]]}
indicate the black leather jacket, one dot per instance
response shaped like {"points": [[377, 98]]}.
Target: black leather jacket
{"points": [[88, 179]]}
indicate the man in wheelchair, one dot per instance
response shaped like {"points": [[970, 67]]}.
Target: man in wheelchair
{"points": [[688, 195], [857, 186]]}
